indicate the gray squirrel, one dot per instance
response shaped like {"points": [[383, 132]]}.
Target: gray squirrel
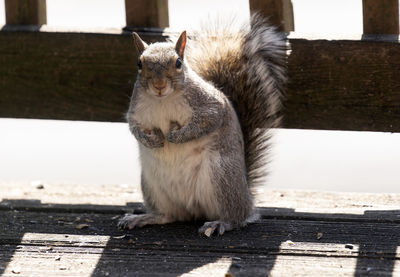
{"points": [[201, 109]]}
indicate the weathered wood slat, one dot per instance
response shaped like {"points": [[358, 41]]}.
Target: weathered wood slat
{"points": [[278, 12], [344, 85], [262, 248], [26, 12], [80, 262], [71, 76], [81, 238], [147, 13], [165, 263], [340, 85], [271, 236], [381, 17]]}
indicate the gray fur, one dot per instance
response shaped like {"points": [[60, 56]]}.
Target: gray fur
{"points": [[196, 161], [249, 66], [155, 138], [207, 111]]}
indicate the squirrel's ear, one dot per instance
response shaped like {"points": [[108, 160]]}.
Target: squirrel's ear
{"points": [[139, 43], [180, 44]]}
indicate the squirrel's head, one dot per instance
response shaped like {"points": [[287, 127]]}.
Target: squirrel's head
{"points": [[160, 65]]}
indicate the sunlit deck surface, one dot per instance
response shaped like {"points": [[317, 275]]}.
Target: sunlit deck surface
{"points": [[71, 230]]}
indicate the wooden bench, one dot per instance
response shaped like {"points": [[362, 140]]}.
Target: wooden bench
{"points": [[342, 84]]}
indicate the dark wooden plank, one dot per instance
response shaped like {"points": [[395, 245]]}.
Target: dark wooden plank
{"points": [[41, 233], [344, 85], [171, 263], [147, 13], [273, 236], [339, 85], [66, 75], [26, 12], [268, 247], [381, 17], [278, 12]]}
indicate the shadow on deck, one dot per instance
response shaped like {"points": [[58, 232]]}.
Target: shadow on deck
{"points": [[174, 249]]}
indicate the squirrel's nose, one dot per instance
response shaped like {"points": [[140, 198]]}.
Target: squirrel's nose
{"points": [[159, 87], [160, 84]]}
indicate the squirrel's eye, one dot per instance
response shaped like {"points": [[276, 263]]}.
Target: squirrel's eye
{"points": [[178, 63], [139, 64]]}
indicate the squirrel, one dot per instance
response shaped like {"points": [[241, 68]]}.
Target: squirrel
{"points": [[200, 110]]}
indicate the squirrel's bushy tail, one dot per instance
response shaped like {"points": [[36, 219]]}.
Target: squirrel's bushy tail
{"points": [[249, 66]]}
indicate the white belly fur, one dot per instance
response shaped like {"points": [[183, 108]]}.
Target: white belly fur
{"points": [[158, 113], [179, 176]]}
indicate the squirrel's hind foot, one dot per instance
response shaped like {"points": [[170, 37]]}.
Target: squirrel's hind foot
{"points": [[221, 226], [130, 221]]}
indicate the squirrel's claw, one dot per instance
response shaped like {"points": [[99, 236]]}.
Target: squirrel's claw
{"points": [[130, 221], [209, 227]]}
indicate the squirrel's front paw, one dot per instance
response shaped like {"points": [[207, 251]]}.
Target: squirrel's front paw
{"points": [[174, 137], [153, 138], [174, 134], [174, 126]]}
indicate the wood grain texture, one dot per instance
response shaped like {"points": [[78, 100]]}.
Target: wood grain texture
{"points": [[338, 85], [41, 234], [26, 12], [278, 12], [344, 85], [381, 17], [147, 13], [71, 76], [75, 76]]}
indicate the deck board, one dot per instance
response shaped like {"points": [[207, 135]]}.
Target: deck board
{"points": [[302, 233]]}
